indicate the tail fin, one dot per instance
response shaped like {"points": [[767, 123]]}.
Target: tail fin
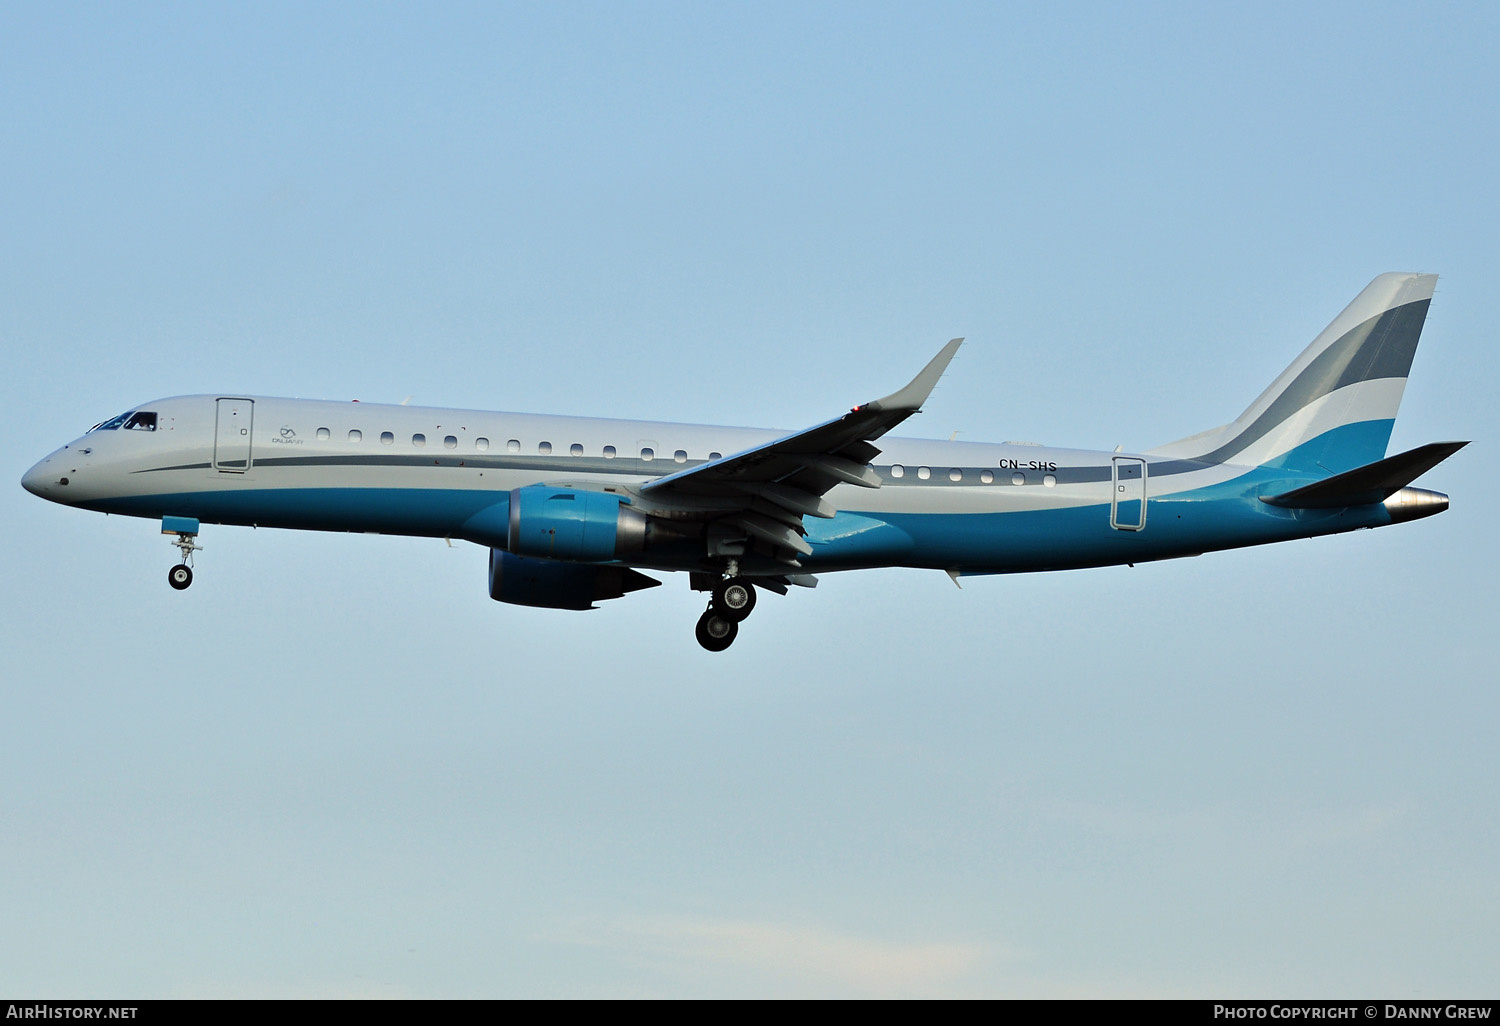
{"points": [[1332, 410]]}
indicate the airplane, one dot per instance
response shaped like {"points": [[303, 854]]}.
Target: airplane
{"points": [[574, 509]]}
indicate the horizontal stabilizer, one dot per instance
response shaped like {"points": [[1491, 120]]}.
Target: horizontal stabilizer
{"points": [[1371, 483]]}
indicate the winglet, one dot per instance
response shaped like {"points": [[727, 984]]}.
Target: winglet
{"points": [[915, 394]]}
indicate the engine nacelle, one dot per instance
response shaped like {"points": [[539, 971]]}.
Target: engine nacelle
{"points": [[567, 523], [522, 581]]}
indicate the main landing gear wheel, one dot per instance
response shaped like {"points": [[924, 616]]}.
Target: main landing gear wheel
{"points": [[735, 598], [716, 632], [180, 576]]}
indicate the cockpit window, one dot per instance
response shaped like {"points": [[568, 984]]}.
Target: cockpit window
{"points": [[114, 423], [142, 421]]}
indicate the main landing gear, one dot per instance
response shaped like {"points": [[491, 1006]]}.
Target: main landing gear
{"points": [[733, 599], [184, 535]]}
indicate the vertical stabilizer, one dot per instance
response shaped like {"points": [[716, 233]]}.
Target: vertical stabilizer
{"points": [[1333, 408]]}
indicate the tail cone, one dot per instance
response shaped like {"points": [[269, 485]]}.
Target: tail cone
{"points": [[1414, 504]]}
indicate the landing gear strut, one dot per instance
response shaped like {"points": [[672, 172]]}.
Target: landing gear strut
{"points": [[733, 599], [184, 534]]}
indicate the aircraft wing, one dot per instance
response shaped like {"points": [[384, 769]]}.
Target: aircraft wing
{"points": [[765, 492]]}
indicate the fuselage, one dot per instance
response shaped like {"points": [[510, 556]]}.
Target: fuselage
{"points": [[961, 506]]}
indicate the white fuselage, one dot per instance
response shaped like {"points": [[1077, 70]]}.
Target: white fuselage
{"points": [[355, 466]]}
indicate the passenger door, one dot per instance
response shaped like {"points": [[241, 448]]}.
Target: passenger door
{"points": [[232, 435]]}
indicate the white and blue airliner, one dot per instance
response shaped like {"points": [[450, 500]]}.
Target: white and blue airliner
{"points": [[573, 509]]}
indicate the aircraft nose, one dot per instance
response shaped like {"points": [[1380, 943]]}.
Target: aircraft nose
{"points": [[42, 479]]}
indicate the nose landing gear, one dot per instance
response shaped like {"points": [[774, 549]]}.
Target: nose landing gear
{"points": [[733, 599], [184, 535]]}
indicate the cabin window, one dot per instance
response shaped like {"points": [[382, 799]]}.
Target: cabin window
{"points": [[386, 438], [545, 448], [324, 434], [514, 445], [1018, 478], [141, 422], [923, 473], [955, 474], [1050, 481], [419, 440], [450, 442], [986, 477], [716, 455], [482, 444], [897, 470], [356, 436], [680, 456], [609, 452], [647, 455], [575, 449]]}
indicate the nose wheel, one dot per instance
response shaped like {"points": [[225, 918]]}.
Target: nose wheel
{"points": [[733, 599], [180, 576]]}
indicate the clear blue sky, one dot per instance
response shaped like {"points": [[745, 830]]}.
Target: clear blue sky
{"points": [[335, 767]]}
